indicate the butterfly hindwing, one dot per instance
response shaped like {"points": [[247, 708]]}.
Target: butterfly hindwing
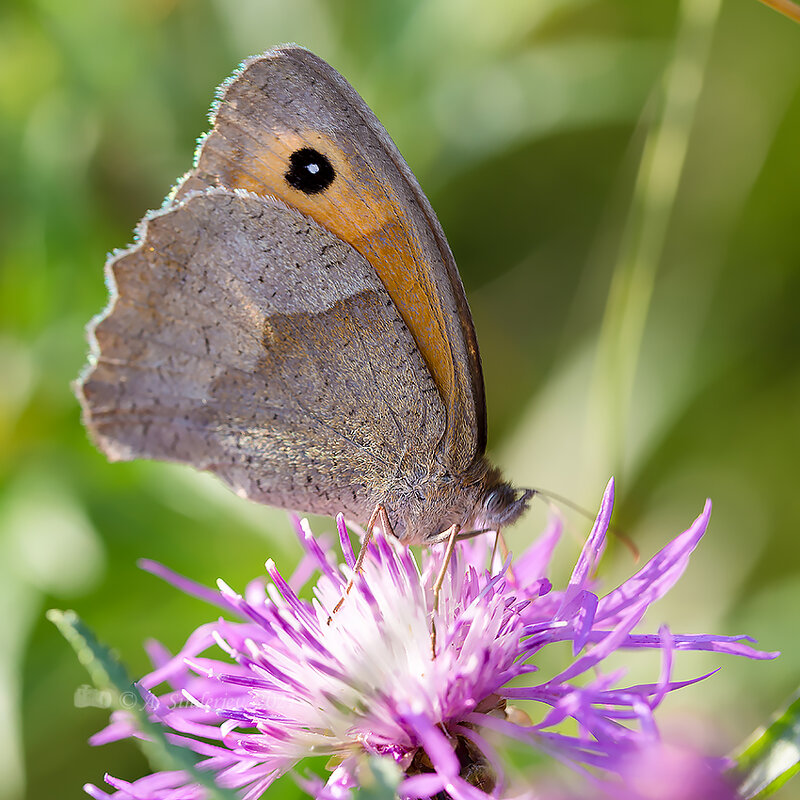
{"points": [[245, 339]]}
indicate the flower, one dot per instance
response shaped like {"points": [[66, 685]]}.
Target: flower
{"points": [[294, 678], [653, 771]]}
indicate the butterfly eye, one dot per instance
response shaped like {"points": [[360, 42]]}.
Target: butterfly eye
{"points": [[309, 171], [497, 500]]}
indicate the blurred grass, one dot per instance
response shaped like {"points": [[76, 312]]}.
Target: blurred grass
{"points": [[526, 123]]}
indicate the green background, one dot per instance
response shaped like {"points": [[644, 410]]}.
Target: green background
{"points": [[620, 184]]}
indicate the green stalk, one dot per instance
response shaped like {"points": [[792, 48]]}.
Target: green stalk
{"points": [[660, 168]]}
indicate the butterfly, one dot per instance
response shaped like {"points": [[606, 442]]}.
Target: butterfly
{"points": [[292, 320]]}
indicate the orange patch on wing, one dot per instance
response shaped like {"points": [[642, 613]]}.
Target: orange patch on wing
{"points": [[367, 216]]}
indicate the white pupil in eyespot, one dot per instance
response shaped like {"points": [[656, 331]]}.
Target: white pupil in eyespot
{"points": [[313, 168]]}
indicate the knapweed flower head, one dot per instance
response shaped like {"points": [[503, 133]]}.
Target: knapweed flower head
{"points": [[290, 677]]}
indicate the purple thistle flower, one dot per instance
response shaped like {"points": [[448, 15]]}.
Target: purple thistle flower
{"points": [[295, 679]]}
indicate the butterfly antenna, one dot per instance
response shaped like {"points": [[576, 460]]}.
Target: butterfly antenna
{"points": [[565, 501]]}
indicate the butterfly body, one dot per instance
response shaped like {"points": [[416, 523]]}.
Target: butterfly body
{"points": [[292, 320]]}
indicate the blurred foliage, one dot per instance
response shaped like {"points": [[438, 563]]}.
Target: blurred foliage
{"points": [[620, 183], [113, 683], [772, 756]]}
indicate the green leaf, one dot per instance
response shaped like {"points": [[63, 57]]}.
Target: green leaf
{"points": [[108, 674], [772, 757], [378, 779]]}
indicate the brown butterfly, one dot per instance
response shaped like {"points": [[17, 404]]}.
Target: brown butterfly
{"points": [[293, 320]]}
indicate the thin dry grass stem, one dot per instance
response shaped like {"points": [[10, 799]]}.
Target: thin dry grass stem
{"points": [[785, 7]]}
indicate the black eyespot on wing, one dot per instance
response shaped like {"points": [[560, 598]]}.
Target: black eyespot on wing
{"points": [[309, 171]]}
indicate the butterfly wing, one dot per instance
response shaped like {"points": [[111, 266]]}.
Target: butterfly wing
{"points": [[245, 339], [290, 102]]}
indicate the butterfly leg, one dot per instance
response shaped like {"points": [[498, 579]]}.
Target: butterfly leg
{"points": [[452, 535], [500, 542], [494, 548], [378, 515], [503, 546]]}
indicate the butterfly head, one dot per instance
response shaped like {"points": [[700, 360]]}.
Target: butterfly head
{"points": [[423, 505], [502, 505]]}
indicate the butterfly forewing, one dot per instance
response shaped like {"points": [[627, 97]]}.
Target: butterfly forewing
{"points": [[288, 106]]}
